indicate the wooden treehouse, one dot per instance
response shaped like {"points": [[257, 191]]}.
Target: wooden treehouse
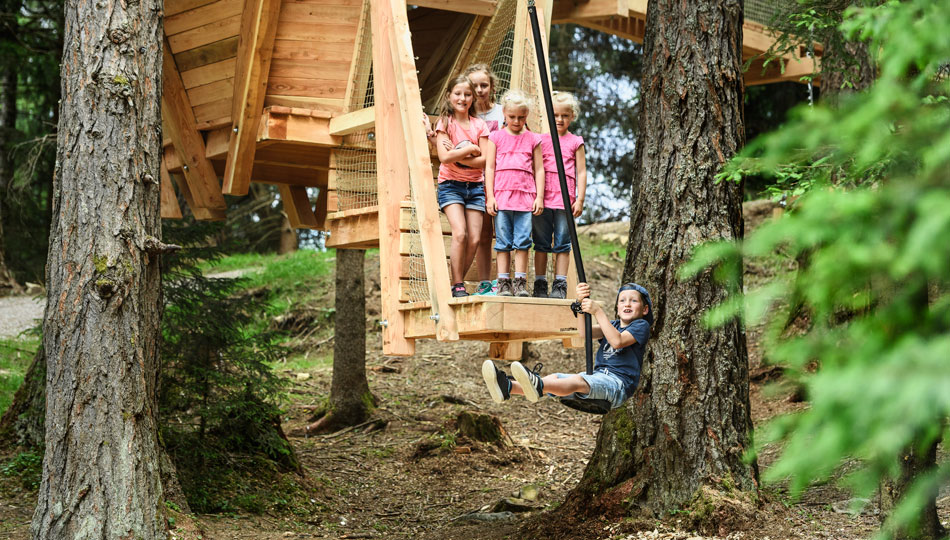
{"points": [[329, 94]]}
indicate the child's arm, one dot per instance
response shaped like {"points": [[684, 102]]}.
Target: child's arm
{"points": [[580, 169], [477, 159], [583, 294], [489, 154], [538, 206], [446, 153]]}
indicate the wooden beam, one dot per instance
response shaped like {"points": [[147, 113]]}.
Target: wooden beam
{"points": [[474, 7], [277, 123], [361, 59], [352, 122], [296, 205], [170, 207], [357, 230], [320, 210], [569, 10], [255, 49], [408, 105], [201, 213], [505, 350], [179, 121]]}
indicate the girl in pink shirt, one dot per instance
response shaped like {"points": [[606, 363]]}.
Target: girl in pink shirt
{"points": [[550, 229], [461, 141], [514, 190]]}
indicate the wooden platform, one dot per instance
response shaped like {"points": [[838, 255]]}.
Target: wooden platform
{"points": [[497, 319]]}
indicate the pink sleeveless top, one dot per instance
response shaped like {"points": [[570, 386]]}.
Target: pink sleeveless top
{"points": [[552, 187], [515, 188]]}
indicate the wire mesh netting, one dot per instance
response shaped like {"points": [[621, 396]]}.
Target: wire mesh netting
{"points": [[762, 11], [356, 159]]}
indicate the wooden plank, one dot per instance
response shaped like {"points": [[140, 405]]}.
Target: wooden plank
{"points": [[178, 119], [349, 232], [317, 32], [208, 54], [209, 93], [296, 205], [322, 104], [206, 34], [312, 52], [361, 56], [200, 16], [395, 51], [209, 113], [216, 143], [414, 246], [320, 210], [319, 12], [405, 221], [170, 208], [352, 122], [505, 350], [174, 7], [474, 7], [569, 10], [289, 86], [258, 29], [297, 68], [208, 74], [200, 213], [297, 128]]}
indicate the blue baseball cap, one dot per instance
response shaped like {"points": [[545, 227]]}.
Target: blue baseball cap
{"points": [[643, 292]]}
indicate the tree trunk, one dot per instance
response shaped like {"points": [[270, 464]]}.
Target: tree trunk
{"points": [[23, 423], [350, 399], [8, 114], [688, 424], [101, 466], [913, 463], [852, 69]]}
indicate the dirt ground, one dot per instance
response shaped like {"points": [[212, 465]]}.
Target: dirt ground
{"points": [[415, 479]]}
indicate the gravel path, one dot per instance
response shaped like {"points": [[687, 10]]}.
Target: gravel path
{"points": [[19, 313]]}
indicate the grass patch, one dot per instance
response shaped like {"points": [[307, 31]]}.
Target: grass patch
{"points": [[15, 358], [304, 362], [597, 249]]}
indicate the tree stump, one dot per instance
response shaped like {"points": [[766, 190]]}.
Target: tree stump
{"points": [[483, 428]]}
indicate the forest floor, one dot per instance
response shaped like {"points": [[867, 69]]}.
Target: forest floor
{"points": [[409, 475]]}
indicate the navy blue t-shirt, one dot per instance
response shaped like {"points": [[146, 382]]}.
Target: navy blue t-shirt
{"points": [[626, 362]]}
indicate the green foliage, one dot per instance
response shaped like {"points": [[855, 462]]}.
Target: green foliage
{"points": [[27, 466], [218, 395], [874, 282], [15, 358]]}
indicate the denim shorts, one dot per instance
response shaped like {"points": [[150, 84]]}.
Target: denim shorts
{"points": [[603, 385], [512, 230], [552, 223], [471, 195]]}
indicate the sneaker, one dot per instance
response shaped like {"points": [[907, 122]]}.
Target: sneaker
{"points": [[484, 289], [530, 381], [504, 287], [541, 288], [498, 384], [458, 290], [559, 289], [494, 288], [519, 287]]}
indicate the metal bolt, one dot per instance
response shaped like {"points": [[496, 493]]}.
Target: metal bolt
{"points": [[384, 322], [235, 129], [185, 167], [434, 317], [371, 135]]}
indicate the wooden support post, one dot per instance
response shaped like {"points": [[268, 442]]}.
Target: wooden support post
{"points": [[474, 7], [201, 213], [255, 49], [404, 149], [179, 121], [320, 210], [296, 204], [352, 122], [170, 207], [505, 350]]}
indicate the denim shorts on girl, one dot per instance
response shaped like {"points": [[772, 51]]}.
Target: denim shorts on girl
{"points": [[470, 195], [512, 230], [551, 225], [603, 385]]}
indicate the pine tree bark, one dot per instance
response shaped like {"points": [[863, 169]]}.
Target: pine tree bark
{"points": [[913, 464], [351, 402], [8, 115], [688, 424], [101, 466]]}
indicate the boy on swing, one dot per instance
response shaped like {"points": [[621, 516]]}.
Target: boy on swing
{"points": [[616, 367]]}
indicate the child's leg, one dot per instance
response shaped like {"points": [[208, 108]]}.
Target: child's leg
{"points": [[483, 254], [521, 260], [456, 216], [502, 258], [473, 221], [561, 263], [558, 386], [540, 263]]}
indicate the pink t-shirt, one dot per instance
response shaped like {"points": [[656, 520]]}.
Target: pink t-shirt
{"points": [[459, 137], [515, 188], [569, 144]]}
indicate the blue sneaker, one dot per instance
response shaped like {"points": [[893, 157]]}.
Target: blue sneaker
{"points": [[498, 384], [484, 289]]}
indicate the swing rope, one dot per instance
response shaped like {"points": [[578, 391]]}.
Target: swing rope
{"points": [[594, 406]]}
